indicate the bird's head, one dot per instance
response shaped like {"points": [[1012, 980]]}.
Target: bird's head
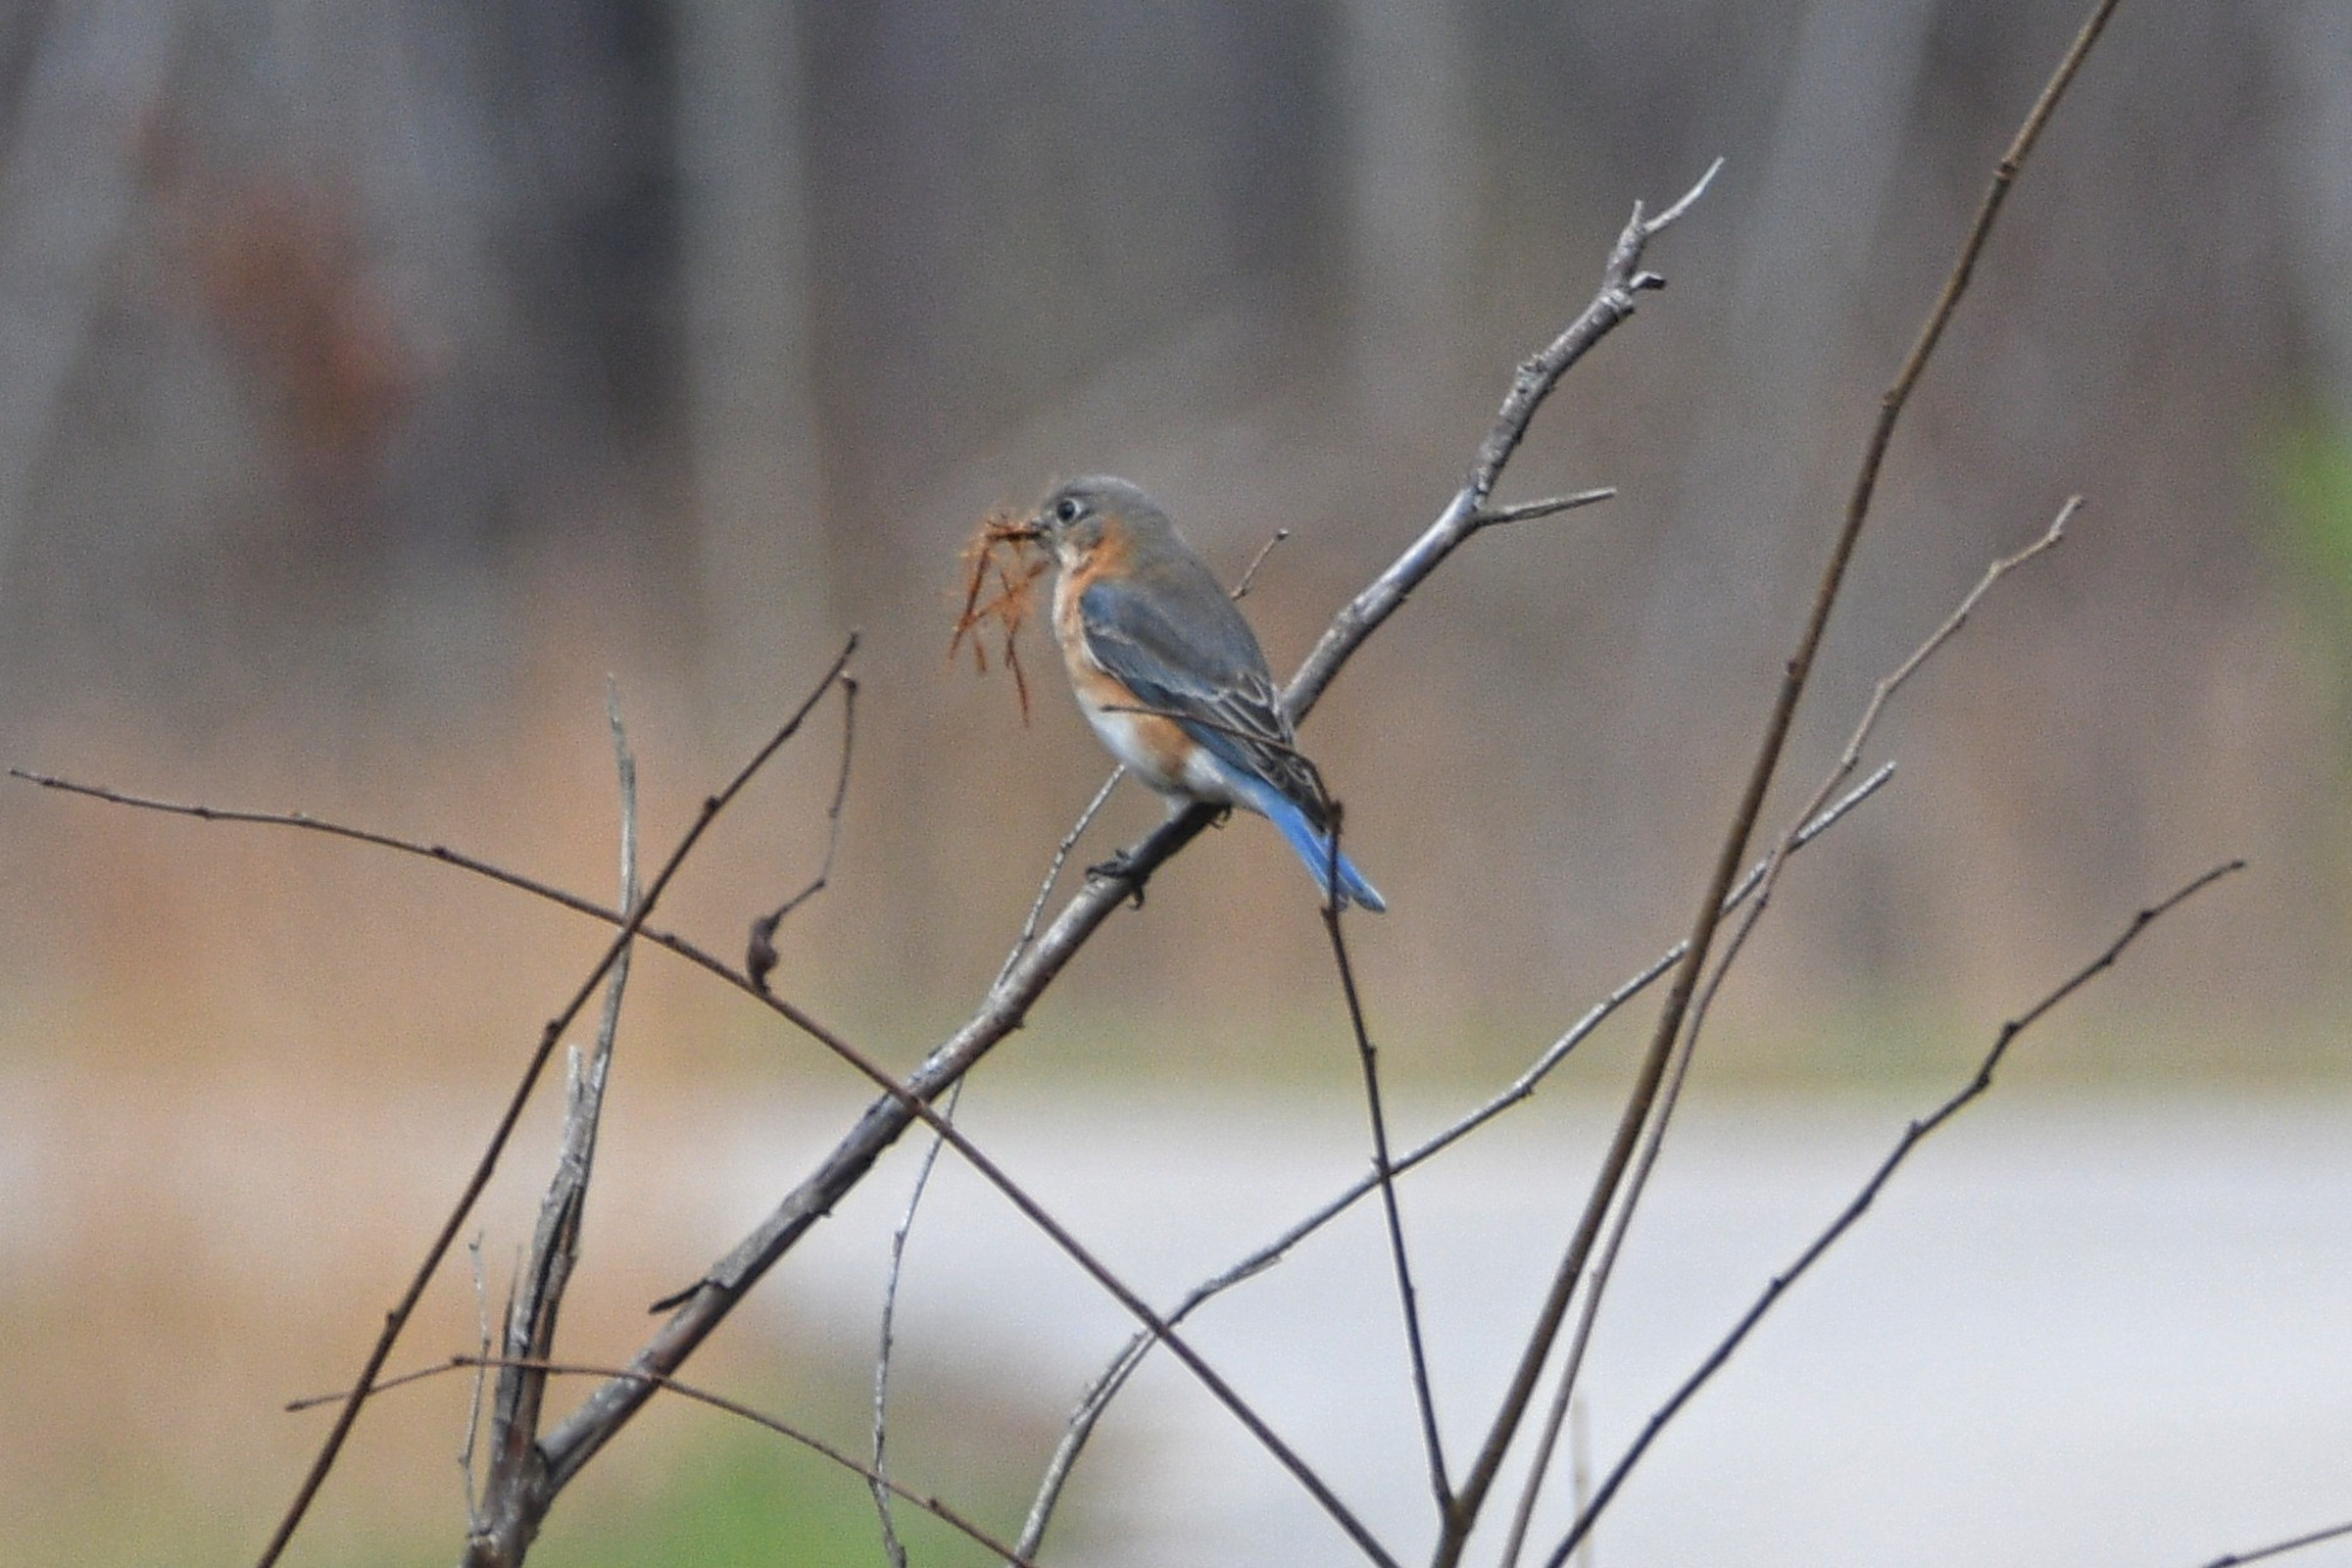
{"points": [[1076, 518]]}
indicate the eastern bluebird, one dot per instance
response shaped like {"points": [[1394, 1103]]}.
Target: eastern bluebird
{"points": [[1171, 677]]}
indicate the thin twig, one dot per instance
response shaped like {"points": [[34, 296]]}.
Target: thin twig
{"points": [[1851, 758], [700, 1395], [704, 1305], [1654, 1135], [1529, 510], [1044, 889], [1912, 1137], [890, 1313], [1384, 1171], [1107, 1385], [473, 1406], [439, 853], [398, 1317], [1796, 676], [1241, 590], [1006, 1007], [332, 829], [2279, 1548], [1622, 283], [759, 961], [1539, 374]]}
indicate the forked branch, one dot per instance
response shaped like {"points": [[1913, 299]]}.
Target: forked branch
{"points": [[1912, 1137], [1513, 1407]]}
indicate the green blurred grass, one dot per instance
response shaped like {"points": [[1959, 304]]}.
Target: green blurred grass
{"points": [[742, 1500], [722, 1499], [2312, 465]]}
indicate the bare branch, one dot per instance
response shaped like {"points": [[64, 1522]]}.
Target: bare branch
{"points": [[1912, 1137], [439, 853], [1035, 966], [1514, 1403], [759, 961], [1241, 590], [1003, 1009], [1622, 279], [1689, 199], [717, 1402], [2279, 1548], [1654, 1136], [507, 1520], [889, 1314], [1061, 857], [397, 1318], [1384, 1171], [1107, 1384], [1529, 510], [316, 824], [1851, 757], [705, 1305]]}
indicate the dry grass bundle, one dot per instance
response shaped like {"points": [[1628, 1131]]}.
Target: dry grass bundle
{"points": [[1023, 562]]}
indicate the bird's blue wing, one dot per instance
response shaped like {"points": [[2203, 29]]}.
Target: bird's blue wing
{"points": [[1184, 650]]}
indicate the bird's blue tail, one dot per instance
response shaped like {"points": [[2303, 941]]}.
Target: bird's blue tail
{"points": [[1313, 848]]}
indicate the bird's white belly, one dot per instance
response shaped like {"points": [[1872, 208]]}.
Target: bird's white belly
{"points": [[1162, 755]]}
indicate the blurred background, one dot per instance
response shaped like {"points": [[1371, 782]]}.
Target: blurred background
{"points": [[376, 382]]}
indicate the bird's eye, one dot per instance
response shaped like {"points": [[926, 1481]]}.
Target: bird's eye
{"points": [[1066, 510]]}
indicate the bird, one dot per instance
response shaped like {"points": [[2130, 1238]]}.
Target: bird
{"points": [[1171, 676]]}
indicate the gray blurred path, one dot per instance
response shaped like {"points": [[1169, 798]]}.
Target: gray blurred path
{"points": [[2069, 1334]]}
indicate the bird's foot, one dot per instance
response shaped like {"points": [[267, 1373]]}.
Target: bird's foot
{"points": [[1120, 867]]}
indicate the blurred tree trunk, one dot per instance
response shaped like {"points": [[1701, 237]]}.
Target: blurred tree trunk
{"points": [[71, 179], [2312, 43], [765, 568], [1809, 230], [1413, 169]]}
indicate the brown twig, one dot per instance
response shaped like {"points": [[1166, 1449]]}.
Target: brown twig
{"points": [[892, 1546], [398, 1317], [700, 1395], [1622, 283], [332, 829], [1106, 1386], [1912, 1137], [760, 958], [1028, 974], [702, 1306], [581, 1435], [1796, 676], [1654, 1135], [1241, 590], [1382, 1169]]}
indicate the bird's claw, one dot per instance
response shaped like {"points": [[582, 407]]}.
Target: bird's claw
{"points": [[1120, 867]]}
